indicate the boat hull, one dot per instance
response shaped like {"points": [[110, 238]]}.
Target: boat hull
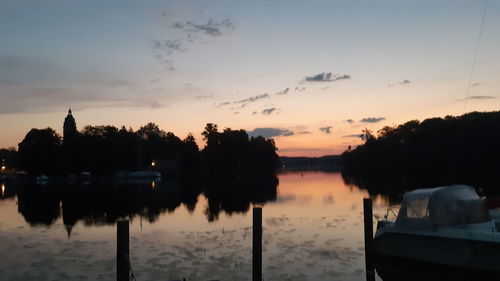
{"points": [[436, 257]]}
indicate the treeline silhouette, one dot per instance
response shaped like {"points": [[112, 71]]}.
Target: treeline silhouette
{"points": [[436, 151], [103, 150]]}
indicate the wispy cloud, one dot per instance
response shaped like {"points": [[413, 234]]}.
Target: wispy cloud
{"points": [[269, 111], [211, 27], [478, 98], [326, 130], [303, 133], [400, 83], [353, 136], [284, 92], [244, 102], [189, 33], [270, 132], [252, 99], [350, 121], [203, 97], [372, 119], [326, 77]]}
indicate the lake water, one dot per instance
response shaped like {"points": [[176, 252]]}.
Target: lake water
{"points": [[312, 231]]}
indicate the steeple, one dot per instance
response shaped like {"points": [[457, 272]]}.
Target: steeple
{"points": [[69, 126]]}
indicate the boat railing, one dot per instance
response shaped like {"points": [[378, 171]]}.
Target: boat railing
{"points": [[388, 212]]}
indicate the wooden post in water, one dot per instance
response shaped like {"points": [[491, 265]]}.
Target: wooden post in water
{"points": [[257, 245], [368, 219], [122, 251]]}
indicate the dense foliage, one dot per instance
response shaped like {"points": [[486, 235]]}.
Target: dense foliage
{"points": [[103, 150], [436, 151]]}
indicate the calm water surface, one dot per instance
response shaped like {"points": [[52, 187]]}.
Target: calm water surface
{"points": [[313, 231]]}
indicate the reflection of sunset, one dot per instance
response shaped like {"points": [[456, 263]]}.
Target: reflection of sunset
{"points": [[314, 229]]}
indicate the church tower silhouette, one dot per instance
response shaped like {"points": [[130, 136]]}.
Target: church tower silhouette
{"points": [[69, 126]]}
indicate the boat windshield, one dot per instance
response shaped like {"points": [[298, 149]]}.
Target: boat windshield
{"points": [[450, 205]]}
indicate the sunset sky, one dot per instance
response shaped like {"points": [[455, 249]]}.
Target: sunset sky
{"points": [[311, 74]]}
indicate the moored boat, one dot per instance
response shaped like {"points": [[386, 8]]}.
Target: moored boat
{"points": [[447, 229]]}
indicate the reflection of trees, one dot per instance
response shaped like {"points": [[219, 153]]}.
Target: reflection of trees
{"points": [[391, 190], [236, 197], [104, 204]]}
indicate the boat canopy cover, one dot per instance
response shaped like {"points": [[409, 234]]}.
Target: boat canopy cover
{"points": [[448, 205]]}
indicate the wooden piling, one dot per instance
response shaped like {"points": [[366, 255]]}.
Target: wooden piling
{"points": [[368, 226], [257, 245], [122, 251]]}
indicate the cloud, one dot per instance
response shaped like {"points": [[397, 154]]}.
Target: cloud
{"points": [[326, 77], [190, 33], [372, 119], [270, 132], [353, 136], [244, 102], [152, 81], [300, 89], [303, 133], [269, 111], [255, 112], [202, 97], [401, 83], [211, 27], [478, 98], [326, 130], [475, 84], [252, 99], [350, 121], [164, 49], [284, 92]]}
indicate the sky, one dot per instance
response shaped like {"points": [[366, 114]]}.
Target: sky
{"points": [[312, 74]]}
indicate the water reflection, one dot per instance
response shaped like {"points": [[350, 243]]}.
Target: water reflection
{"points": [[105, 203]]}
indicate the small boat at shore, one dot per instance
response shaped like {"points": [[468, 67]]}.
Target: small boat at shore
{"points": [[445, 229]]}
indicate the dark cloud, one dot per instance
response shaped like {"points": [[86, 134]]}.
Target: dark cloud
{"points": [[372, 119], [326, 77], [152, 81], [284, 92], [255, 112], [303, 133], [300, 89], [270, 132], [326, 130], [269, 111], [475, 84], [350, 121]]}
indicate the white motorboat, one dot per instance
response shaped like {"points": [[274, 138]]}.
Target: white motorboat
{"points": [[447, 228]]}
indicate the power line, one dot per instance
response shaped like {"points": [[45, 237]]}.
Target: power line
{"points": [[475, 56]]}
